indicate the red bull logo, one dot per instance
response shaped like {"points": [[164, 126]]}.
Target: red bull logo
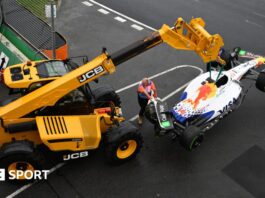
{"points": [[205, 92]]}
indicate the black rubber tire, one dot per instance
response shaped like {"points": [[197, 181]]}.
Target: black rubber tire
{"points": [[260, 83], [157, 130], [150, 113], [105, 95], [227, 58], [191, 138], [35, 159], [116, 138]]}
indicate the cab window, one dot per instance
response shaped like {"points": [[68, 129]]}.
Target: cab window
{"points": [[52, 69]]}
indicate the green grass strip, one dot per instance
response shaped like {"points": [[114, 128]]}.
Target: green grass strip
{"points": [[37, 7]]}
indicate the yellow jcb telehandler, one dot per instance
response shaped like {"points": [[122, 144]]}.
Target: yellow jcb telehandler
{"points": [[56, 108]]}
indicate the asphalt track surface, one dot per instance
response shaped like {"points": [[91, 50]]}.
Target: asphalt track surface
{"points": [[164, 168]]}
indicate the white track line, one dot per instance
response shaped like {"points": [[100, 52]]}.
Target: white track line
{"points": [[137, 27], [103, 11], [258, 14], [122, 15], [120, 19], [87, 3], [159, 74], [253, 23]]}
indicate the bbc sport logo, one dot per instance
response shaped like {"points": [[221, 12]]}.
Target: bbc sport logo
{"points": [[28, 174], [2, 175]]}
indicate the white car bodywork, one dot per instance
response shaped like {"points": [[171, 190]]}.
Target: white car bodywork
{"points": [[209, 99]]}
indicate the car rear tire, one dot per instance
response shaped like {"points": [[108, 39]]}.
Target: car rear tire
{"points": [[260, 83], [150, 113], [191, 138]]}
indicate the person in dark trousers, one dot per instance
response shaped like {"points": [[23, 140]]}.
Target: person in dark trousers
{"points": [[146, 90]]}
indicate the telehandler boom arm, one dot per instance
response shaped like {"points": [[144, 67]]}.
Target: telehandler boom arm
{"points": [[182, 36]]}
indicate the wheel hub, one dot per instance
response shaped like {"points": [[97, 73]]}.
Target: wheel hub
{"points": [[124, 146], [126, 149], [22, 166]]}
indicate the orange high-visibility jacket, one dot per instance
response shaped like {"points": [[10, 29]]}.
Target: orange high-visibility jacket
{"points": [[149, 88]]}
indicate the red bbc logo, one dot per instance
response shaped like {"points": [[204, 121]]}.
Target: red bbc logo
{"points": [[2, 175]]}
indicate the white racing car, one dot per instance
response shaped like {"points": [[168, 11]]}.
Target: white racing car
{"points": [[207, 99]]}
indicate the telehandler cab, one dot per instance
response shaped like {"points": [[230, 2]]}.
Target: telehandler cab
{"points": [[57, 110]]}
